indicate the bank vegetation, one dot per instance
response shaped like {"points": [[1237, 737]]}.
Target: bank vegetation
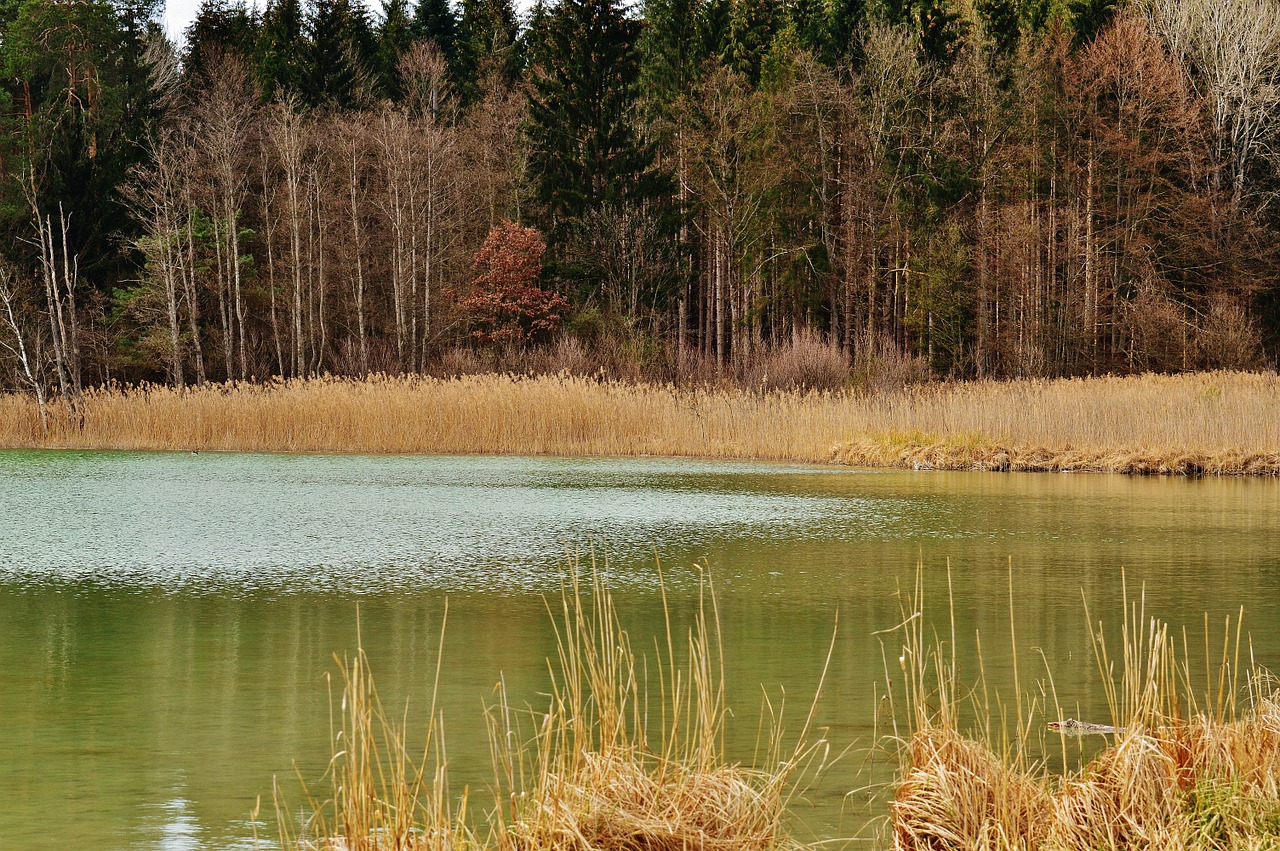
{"points": [[627, 753], [1191, 762], [1209, 423]]}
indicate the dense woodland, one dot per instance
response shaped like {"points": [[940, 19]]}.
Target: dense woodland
{"points": [[973, 187]]}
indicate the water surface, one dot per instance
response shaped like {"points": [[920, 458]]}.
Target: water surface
{"points": [[168, 621]]}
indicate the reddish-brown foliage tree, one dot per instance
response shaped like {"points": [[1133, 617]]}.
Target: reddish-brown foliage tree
{"points": [[506, 304]]}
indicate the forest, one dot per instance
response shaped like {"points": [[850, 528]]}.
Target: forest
{"points": [[663, 191]]}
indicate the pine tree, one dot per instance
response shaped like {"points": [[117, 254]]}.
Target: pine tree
{"points": [[82, 115], [584, 154]]}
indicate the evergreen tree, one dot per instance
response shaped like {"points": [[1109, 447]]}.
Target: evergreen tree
{"points": [[845, 20], [282, 50], [435, 20], [670, 48], [1090, 17], [395, 34], [940, 29], [487, 43], [1000, 23], [82, 113], [220, 27], [752, 26], [583, 151], [342, 49], [714, 27]]}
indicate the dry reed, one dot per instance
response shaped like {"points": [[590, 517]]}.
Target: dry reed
{"points": [[597, 778], [1208, 423], [1166, 782], [380, 797], [593, 777]]}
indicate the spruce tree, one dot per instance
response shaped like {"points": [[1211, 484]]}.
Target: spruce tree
{"points": [[435, 21], [670, 48], [342, 49], [752, 26], [395, 34], [583, 151], [1090, 17], [220, 27], [282, 50], [844, 21], [1000, 22], [487, 43], [714, 29]]}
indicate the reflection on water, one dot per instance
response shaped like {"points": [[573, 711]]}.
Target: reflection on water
{"points": [[167, 621]]}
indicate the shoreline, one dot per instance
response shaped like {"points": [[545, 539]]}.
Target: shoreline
{"points": [[1199, 424]]}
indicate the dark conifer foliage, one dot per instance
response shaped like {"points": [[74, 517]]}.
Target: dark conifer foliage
{"points": [[220, 27], [342, 52], [436, 21], [395, 34], [1089, 17], [488, 44], [82, 110], [1000, 23], [844, 23], [584, 148], [670, 48], [283, 50]]}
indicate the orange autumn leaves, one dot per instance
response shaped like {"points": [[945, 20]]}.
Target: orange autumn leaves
{"points": [[506, 305]]}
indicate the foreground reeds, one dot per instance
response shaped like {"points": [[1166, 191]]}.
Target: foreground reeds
{"points": [[1209, 423], [1184, 771], [597, 770]]}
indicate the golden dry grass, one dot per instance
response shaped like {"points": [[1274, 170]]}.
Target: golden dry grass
{"points": [[1215, 423], [1209, 783], [380, 797], [592, 777], [596, 777]]}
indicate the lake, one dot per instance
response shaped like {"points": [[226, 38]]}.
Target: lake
{"points": [[168, 622]]}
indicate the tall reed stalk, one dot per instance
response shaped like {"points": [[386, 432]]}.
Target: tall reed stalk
{"points": [[1182, 769], [609, 765], [380, 797], [596, 776]]}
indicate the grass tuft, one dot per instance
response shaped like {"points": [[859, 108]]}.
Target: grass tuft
{"points": [[1164, 782], [608, 766]]}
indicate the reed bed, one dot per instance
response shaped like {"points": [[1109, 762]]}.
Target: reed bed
{"points": [[589, 773], [1208, 423], [1184, 769]]}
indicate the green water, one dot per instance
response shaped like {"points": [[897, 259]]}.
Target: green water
{"points": [[167, 621]]}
